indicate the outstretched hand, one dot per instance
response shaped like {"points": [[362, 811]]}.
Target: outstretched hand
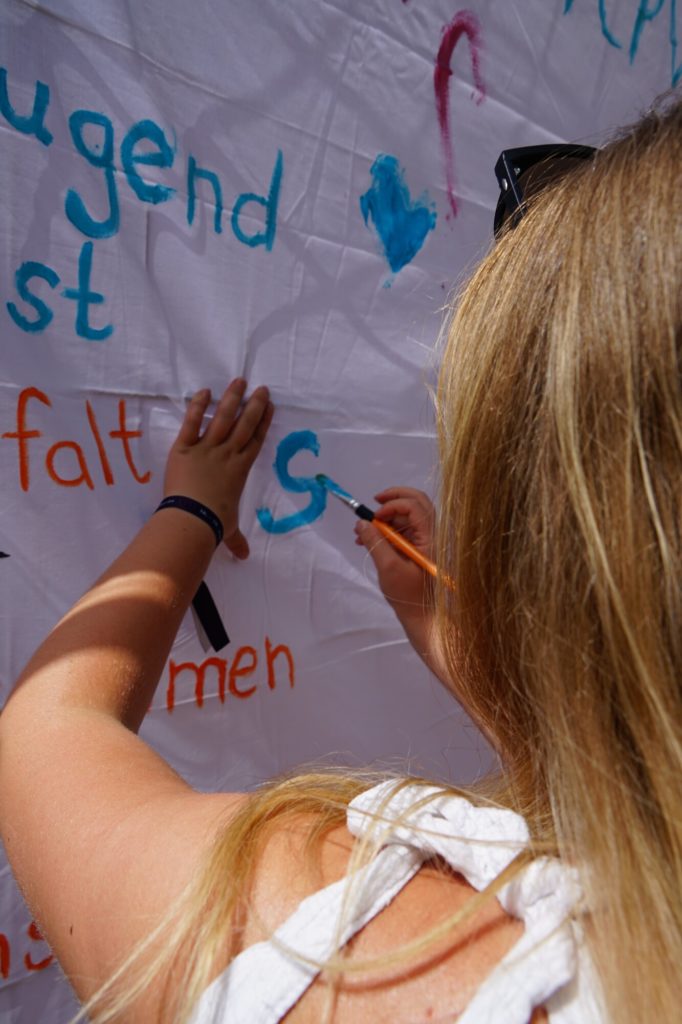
{"points": [[404, 584], [212, 466]]}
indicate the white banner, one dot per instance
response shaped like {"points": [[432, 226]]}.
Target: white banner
{"points": [[285, 191]]}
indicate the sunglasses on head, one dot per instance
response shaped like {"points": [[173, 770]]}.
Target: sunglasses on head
{"points": [[523, 172]]}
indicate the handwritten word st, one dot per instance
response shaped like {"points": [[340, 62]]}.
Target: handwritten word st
{"points": [[39, 315], [65, 462]]}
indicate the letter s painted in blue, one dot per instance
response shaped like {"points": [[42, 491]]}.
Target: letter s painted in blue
{"points": [[295, 442], [28, 270]]}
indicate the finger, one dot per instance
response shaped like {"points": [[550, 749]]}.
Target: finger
{"points": [[417, 525], [402, 524], [191, 424], [391, 493], [262, 429], [381, 551], [406, 509], [238, 544], [226, 412], [250, 418]]}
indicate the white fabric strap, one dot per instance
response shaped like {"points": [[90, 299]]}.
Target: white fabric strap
{"points": [[479, 842], [412, 823], [268, 978]]}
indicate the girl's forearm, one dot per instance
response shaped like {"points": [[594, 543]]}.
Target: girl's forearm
{"points": [[419, 628], [108, 652]]}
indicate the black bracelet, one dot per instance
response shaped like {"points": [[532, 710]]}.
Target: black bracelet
{"points": [[195, 508]]}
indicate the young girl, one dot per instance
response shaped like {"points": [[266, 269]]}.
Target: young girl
{"points": [[552, 892]]}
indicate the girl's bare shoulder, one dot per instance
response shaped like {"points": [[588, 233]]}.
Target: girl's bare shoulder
{"points": [[433, 984]]}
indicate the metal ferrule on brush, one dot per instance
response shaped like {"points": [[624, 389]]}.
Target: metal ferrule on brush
{"points": [[360, 510]]}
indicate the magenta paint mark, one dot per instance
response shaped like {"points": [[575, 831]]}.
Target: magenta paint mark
{"points": [[464, 23]]}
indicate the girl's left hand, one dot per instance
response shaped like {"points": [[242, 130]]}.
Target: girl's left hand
{"points": [[212, 467]]}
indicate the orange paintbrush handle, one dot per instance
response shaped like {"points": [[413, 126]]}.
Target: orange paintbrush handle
{"points": [[404, 545]]}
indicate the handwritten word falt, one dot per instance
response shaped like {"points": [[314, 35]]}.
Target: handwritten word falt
{"points": [[65, 461], [144, 145]]}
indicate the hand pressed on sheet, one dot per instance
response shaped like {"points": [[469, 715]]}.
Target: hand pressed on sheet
{"points": [[212, 467]]}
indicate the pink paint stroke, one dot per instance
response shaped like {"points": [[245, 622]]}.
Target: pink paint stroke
{"points": [[464, 23]]}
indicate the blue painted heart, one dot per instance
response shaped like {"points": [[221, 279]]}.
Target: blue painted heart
{"points": [[401, 224]]}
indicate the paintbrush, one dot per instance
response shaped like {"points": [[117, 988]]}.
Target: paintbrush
{"points": [[363, 512]]}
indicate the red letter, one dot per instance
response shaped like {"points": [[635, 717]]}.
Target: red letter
{"points": [[236, 672], [271, 653], [199, 672], [33, 933], [124, 435], [22, 434], [4, 956], [464, 23], [106, 468], [80, 458]]}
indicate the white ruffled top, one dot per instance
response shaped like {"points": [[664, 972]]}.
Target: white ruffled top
{"points": [[549, 966]]}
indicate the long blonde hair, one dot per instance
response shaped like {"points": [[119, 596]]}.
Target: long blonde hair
{"points": [[560, 419], [560, 424]]}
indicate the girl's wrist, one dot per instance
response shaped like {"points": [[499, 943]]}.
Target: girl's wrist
{"points": [[197, 509]]}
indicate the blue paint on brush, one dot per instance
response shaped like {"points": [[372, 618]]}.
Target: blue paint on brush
{"points": [[332, 486], [401, 224], [298, 440]]}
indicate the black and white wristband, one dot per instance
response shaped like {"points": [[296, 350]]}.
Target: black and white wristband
{"points": [[195, 508], [202, 602]]}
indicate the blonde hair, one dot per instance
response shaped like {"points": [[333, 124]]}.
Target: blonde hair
{"points": [[560, 425], [560, 419]]}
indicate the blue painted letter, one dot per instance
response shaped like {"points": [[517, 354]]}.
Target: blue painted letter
{"points": [[676, 69], [194, 172], [35, 123], [101, 155], [644, 14], [85, 298], [162, 156], [299, 440], [266, 237], [23, 275], [605, 30]]}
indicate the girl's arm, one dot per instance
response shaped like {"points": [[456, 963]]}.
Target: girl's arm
{"points": [[100, 831]]}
